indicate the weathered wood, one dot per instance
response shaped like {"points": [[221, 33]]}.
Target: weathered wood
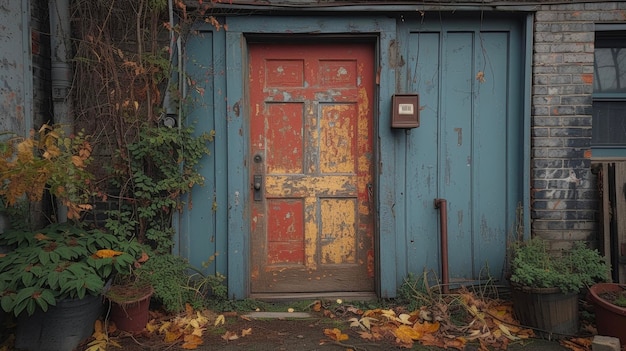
{"points": [[311, 154]]}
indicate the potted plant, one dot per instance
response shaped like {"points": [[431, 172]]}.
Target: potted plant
{"points": [[545, 285], [60, 265], [609, 306], [129, 299], [50, 270]]}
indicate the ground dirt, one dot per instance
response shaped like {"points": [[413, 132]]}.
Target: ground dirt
{"points": [[275, 334]]}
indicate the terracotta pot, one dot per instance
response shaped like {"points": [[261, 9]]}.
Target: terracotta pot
{"points": [[130, 314], [548, 310], [610, 319]]}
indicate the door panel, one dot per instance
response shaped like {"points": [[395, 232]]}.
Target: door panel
{"points": [[311, 160], [468, 148]]}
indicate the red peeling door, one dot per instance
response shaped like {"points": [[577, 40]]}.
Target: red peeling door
{"points": [[311, 179]]}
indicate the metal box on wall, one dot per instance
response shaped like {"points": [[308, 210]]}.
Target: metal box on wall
{"points": [[405, 111]]}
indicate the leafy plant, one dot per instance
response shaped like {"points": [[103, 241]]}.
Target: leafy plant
{"points": [[176, 283], [46, 161], [151, 174], [57, 262], [533, 265]]}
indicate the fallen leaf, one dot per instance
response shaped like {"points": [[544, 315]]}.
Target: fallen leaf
{"points": [[230, 336], [164, 327], [405, 334], [220, 320], [246, 332], [404, 319], [507, 332], [191, 342], [107, 253], [426, 327], [336, 334], [171, 336]]}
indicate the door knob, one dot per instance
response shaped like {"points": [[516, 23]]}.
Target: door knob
{"points": [[257, 184]]}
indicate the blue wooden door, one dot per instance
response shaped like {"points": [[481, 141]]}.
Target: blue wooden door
{"points": [[468, 148]]}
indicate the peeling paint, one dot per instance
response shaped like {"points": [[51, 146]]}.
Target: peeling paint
{"points": [[312, 127]]}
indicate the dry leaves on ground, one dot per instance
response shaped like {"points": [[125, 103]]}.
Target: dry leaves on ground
{"points": [[487, 322]]}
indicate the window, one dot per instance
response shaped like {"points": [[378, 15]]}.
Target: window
{"points": [[609, 93]]}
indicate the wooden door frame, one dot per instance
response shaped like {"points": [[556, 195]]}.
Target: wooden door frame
{"points": [[240, 30]]}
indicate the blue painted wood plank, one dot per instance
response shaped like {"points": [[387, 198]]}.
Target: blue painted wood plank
{"points": [[198, 221], [456, 138], [385, 199], [490, 154], [423, 245], [221, 152], [238, 221]]}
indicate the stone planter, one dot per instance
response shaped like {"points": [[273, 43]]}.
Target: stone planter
{"points": [[610, 318]]}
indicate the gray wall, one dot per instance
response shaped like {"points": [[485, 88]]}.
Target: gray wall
{"points": [[564, 195]]}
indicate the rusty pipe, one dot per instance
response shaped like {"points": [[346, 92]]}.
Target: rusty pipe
{"points": [[442, 205]]}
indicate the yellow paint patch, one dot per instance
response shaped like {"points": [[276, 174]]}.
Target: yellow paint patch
{"points": [[338, 236]]}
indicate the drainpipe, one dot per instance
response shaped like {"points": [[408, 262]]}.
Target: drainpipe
{"points": [[61, 73], [442, 205]]}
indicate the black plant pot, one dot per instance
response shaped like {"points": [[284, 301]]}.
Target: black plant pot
{"points": [[61, 328], [551, 312]]}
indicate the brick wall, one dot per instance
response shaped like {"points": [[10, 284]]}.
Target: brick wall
{"points": [[565, 204]]}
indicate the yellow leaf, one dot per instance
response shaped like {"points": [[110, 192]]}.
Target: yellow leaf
{"points": [[406, 334], [426, 327], [355, 323], [98, 333], [40, 237], [198, 332], [219, 320], [507, 332], [107, 253], [336, 334], [246, 332], [404, 319], [152, 326], [171, 336], [389, 314], [202, 320], [192, 342], [97, 345]]}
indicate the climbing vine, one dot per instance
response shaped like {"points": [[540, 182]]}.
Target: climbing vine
{"points": [[127, 84]]}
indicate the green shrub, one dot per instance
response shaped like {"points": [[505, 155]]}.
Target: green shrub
{"points": [[533, 265]]}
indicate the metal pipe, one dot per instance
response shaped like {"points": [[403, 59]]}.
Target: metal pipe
{"points": [[61, 73], [442, 205]]}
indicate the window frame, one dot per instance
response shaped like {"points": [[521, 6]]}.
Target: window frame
{"points": [[608, 36]]}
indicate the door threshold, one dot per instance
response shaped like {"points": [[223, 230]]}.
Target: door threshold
{"points": [[345, 296]]}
